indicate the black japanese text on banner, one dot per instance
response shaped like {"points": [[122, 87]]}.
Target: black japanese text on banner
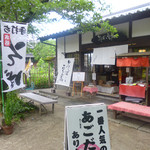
{"points": [[65, 71], [14, 39]]}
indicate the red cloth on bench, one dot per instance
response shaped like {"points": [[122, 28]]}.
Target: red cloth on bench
{"points": [[131, 108], [135, 91]]}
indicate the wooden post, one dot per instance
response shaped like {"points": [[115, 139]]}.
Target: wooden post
{"points": [[146, 96], [94, 81], [81, 88], [49, 74], [120, 75], [73, 88], [120, 78]]}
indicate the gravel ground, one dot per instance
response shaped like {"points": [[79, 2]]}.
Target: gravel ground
{"points": [[46, 132]]}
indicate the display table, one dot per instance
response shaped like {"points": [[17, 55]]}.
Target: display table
{"points": [[109, 90], [90, 89], [134, 91]]}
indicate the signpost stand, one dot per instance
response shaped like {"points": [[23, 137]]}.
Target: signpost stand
{"points": [[74, 89], [78, 77]]}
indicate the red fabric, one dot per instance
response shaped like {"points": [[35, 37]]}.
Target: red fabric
{"points": [[124, 62], [90, 89], [133, 62], [145, 62], [131, 108], [119, 62], [135, 91], [136, 62]]}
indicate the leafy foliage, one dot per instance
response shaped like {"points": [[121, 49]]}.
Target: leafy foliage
{"points": [[39, 75], [86, 14], [14, 107], [42, 50]]}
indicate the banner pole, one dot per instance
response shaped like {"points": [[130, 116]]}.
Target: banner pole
{"points": [[1, 75], [2, 87]]}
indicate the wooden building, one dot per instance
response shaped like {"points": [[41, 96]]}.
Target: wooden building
{"points": [[134, 34]]}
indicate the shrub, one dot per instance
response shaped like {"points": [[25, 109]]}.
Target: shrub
{"points": [[15, 108]]}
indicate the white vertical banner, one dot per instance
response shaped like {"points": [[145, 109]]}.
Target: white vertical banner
{"points": [[86, 127], [14, 41], [65, 71]]}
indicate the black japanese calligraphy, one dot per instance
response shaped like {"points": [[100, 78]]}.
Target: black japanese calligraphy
{"points": [[88, 127], [100, 122], [87, 117], [102, 139], [18, 46], [14, 29], [13, 77], [87, 134], [104, 148], [6, 29], [75, 136]]}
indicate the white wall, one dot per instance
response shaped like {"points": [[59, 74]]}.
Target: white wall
{"points": [[72, 43], [124, 28], [60, 49], [87, 37], [141, 27], [100, 32]]}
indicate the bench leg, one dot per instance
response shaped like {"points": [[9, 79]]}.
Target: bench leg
{"points": [[40, 110], [115, 114], [52, 108]]}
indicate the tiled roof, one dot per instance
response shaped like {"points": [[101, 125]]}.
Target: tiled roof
{"points": [[128, 11], [138, 12]]}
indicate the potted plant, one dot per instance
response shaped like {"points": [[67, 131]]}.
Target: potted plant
{"points": [[14, 110], [7, 124]]}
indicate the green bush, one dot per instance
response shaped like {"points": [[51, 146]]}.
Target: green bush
{"points": [[39, 75], [15, 108]]}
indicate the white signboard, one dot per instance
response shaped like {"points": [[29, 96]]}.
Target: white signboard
{"points": [[78, 76], [107, 55], [14, 38], [94, 76], [86, 127], [65, 71]]}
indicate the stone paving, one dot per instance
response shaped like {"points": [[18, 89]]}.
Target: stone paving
{"points": [[46, 132], [77, 99]]}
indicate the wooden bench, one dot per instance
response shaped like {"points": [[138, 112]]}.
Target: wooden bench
{"points": [[42, 100], [136, 111]]}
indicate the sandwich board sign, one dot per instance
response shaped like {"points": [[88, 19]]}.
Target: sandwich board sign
{"points": [[86, 127]]}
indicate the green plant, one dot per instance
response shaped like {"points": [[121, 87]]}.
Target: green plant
{"points": [[39, 75], [15, 108], [8, 109]]}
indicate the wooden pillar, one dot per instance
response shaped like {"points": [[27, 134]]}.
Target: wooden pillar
{"points": [[94, 81], [146, 96], [80, 54], [120, 75], [120, 78]]}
